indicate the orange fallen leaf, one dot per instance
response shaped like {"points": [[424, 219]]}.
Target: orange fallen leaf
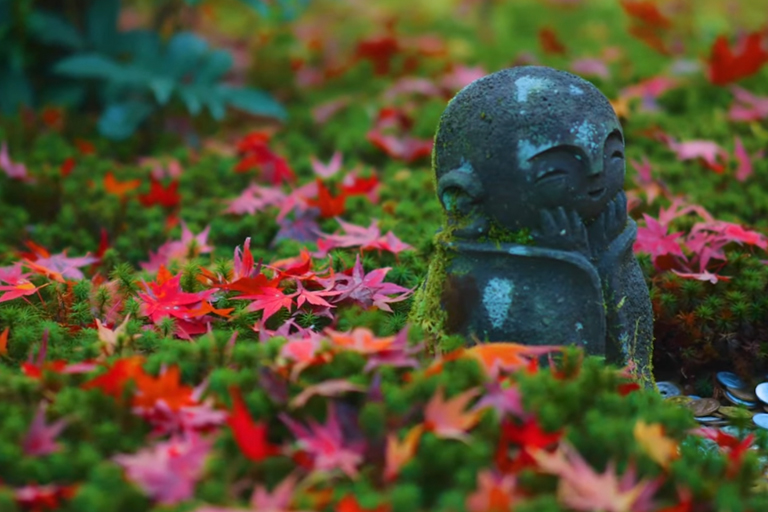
{"points": [[119, 188], [4, 342], [400, 452], [166, 387]]}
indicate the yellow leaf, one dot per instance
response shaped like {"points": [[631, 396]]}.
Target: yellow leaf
{"points": [[659, 447]]}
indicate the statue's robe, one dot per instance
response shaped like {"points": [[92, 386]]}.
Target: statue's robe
{"points": [[541, 296]]}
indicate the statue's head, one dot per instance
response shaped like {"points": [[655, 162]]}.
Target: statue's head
{"points": [[524, 139]]}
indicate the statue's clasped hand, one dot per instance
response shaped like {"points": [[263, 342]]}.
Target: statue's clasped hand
{"points": [[563, 230]]}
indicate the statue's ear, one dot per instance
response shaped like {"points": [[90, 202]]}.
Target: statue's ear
{"points": [[459, 190]]}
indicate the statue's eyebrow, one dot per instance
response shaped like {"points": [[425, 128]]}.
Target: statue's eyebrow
{"points": [[614, 134], [576, 151]]}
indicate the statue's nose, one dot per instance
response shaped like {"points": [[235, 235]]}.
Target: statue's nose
{"points": [[596, 169]]}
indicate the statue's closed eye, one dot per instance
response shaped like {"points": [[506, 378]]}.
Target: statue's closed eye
{"points": [[550, 174], [617, 154]]}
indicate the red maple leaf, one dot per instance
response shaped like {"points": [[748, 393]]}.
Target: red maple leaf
{"points": [[550, 43], [361, 185], [390, 134], [167, 197], [329, 205], [256, 154], [645, 12], [349, 503], [735, 448], [270, 300], [250, 436], [654, 240], [379, 50], [113, 381], [528, 436], [726, 66], [67, 166]]}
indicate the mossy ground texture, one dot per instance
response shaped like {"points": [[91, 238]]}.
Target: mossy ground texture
{"points": [[211, 355]]}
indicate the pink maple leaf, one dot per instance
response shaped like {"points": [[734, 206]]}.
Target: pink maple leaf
{"points": [[708, 151], [449, 419], [41, 438], [254, 199], [744, 167], [747, 106], [678, 208], [359, 236], [263, 500], [14, 170], [410, 85], [654, 240], [325, 111], [168, 471], [649, 90], [314, 297], [702, 276], [652, 187], [16, 283], [591, 67], [582, 488], [325, 171], [58, 266], [705, 246], [201, 416], [326, 444], [189, 246], [461, 76], [298, 199], [504, 400], [368, 289]]}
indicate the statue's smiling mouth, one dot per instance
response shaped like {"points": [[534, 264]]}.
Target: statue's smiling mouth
{"points": [[597, 192]]}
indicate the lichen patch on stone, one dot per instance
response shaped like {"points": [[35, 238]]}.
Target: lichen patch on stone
{"points": [[525, 85], [497, 297]]}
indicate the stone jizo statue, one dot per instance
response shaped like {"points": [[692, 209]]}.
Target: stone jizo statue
{"points": [[536, 246]]}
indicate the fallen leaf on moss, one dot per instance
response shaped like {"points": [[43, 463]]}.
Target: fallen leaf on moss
{"points": [[495, 493], [399, 452], [652, 440], [449, 419]]}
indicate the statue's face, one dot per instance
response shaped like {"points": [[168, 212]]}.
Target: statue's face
{"points": [[576, 178], [582, 170]]}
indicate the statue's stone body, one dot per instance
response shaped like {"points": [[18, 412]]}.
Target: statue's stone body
{"points": [[537, 245]]}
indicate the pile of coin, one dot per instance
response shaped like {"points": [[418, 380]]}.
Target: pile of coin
{"points": [[744, 401]]}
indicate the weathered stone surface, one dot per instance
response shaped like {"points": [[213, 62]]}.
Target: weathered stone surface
{"points": [[537, 245]]}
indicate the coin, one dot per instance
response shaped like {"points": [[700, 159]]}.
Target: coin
{"points": [[745, 394], [711, 420], [679, 399], [731, 398], [703, 406], [734, 412], [730, 380], [761, 420], [762, 392], [667, 389]]}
